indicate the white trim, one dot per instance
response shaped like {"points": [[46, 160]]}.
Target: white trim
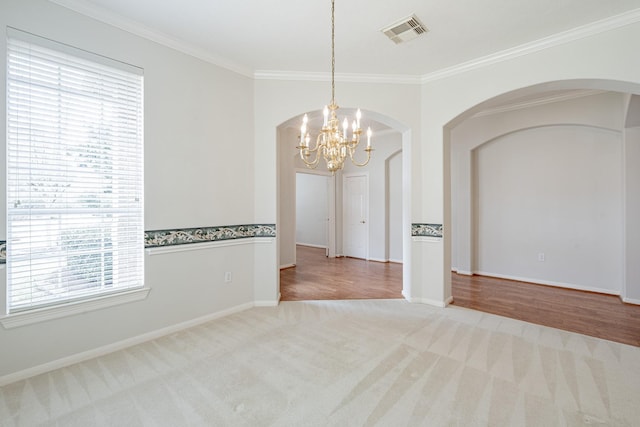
{"points": [[282, 267], [464, 272], [397, 261], [631, 301], [557, 39], [339, 77], [428, 301], [311, 171], [540, 101], [549, 283], [311, 245], [134, 27], [428, 239], [55, 312], [378, 260], [274, 303], [206, 245], [110, 348]]}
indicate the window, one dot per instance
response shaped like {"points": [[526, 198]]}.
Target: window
{"points": [[74, 174]]}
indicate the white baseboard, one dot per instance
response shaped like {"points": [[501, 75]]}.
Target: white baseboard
{"points": [[396, 261], [282, 267], [378, 260], [549, 283], [464, 272], [435, 303], [311, 245], [631, 301], [110, 348], [267, 303]]}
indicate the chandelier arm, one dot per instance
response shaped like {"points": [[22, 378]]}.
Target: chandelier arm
{"points": [[318, 150], [368, 150], [311, 164], [317, 146]]}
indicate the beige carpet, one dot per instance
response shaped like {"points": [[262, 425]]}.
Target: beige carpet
{"points": [[344, 363]]}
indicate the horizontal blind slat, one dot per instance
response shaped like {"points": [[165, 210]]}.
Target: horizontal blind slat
{"points": [[75, 176]]}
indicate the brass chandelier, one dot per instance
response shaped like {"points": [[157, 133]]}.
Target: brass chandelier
{"points": [[332, 143]]}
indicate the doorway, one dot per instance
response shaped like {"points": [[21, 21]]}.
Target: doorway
{"points": [[356, 214], [313, 194], [385, 232]]}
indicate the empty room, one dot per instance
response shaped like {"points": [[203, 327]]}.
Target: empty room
{"points": [[165, 163]]}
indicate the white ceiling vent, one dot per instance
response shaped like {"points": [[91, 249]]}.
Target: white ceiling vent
{"points": [[405, 30]]}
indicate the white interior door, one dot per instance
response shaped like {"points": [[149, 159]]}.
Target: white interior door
{"points": [[356, 215]]}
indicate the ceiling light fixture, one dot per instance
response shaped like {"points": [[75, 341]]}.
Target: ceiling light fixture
{"points": [[333, 144]]}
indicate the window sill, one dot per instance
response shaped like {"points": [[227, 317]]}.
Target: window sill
{"points": [[70, 309]]}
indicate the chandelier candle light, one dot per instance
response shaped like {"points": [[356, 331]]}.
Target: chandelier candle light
{"points": [[333, 144]]}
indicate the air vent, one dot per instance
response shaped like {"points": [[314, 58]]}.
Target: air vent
{"points": [[405, 30]]}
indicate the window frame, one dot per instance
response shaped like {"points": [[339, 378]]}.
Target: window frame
{"points": [[89, 300]]}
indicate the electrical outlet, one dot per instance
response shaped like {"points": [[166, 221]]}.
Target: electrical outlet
{"points": [[228, 277], [541, 257]]}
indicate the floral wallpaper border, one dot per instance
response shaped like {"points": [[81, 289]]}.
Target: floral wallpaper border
{"points": [[182, 236], [426, 230]]}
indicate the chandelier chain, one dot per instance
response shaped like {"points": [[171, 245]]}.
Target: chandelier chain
{"points": [[333, 53]]}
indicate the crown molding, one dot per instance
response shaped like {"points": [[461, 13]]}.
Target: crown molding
{"points": [[133, 27], [540, 101], [339, 77], [103, 15], [607, 24]]}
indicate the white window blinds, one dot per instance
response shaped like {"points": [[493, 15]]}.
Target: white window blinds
{"points": [[74, 174]]}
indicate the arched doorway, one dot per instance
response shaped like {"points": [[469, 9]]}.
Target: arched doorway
{"points": [[389, 140]]}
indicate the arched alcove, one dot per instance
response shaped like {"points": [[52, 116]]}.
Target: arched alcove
{"points": [[584, 109]]}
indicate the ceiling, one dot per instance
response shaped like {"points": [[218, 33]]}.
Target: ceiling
{"points": [[293, 36]]}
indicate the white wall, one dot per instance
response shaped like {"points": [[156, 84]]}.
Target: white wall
{"points": [[286, 221], [394, 168], [562, 169], [311, 209], [631, 290], [198, 140], [554, 192]]}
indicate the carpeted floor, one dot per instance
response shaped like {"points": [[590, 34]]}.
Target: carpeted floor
{"points": [[343, 363]]}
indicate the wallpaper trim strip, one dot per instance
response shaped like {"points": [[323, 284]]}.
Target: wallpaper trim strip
{"points": [[183, 236], [426, 230]]}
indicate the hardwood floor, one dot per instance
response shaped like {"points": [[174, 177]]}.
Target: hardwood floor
{"points": [[588, 313], [317, 277]]}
